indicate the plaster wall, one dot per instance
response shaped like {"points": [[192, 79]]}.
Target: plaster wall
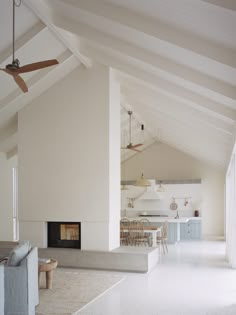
{"points": [[65, 160], [6, 197]]}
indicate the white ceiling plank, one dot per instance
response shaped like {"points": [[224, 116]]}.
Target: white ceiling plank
{"points": [[181, 135], [34, 77], [22, 41], [126, 65], [150, 79], [41, 9], [166, 104], [158, 29], [39, 87], [172, 119], [195, 154], [157, 61], [184, 96]]}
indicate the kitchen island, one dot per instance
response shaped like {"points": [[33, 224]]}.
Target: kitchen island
{"points": [[184, 228]]}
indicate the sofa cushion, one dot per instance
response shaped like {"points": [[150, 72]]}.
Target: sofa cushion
{"points": [[18, 253]]}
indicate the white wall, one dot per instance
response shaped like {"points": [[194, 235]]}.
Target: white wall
{"points": [[160, 161], [114, 166], [64, 158], [6, 197]]}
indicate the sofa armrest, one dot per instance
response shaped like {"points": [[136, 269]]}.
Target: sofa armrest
{"points": [[21, 285], [15, 290]]}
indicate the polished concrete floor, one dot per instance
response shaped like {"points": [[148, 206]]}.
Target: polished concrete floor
{"points": [[192, 279]]}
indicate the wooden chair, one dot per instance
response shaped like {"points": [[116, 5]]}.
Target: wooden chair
{"points": [[162, 239], [124, 234], [139, 236], [146, 222]]}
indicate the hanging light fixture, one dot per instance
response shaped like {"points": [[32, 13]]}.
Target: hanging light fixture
{"points": [[161, 187], [142, 182]]}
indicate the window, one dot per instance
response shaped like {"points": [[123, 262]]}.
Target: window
{"points": [[15, 205]]}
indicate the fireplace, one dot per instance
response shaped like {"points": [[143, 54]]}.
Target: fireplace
{"points": [[64, 234]]}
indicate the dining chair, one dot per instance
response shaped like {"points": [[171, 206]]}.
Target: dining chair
{"points": [[163, 238], [124, 231], [140, 236], [146, 222]]}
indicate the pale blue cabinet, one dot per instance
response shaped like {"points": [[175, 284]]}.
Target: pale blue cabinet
{"points": [[191, 230], [173, 233]]}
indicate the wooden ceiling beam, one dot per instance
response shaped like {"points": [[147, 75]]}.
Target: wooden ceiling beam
{"points": [[157, 29], [196, 79]]}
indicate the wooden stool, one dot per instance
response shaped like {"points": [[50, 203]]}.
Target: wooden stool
{"points": [[48, 269]]}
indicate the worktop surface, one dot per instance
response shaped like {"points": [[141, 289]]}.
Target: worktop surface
{"points": [[163, 219]]}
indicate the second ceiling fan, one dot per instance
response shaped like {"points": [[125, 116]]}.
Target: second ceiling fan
{"points": [[14, 68], [131, 146]]}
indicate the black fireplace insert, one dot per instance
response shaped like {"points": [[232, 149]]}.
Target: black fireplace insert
{"points": [[64, 234]]}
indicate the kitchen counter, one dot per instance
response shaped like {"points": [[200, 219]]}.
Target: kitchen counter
{"points": [[163, 219], [183, 228]]}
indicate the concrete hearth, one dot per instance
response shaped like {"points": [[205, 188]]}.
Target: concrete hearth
{"points": [[137, 259]]}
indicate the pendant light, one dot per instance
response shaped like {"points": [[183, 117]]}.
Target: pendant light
{"points": [[161, 187], [142, 181]]}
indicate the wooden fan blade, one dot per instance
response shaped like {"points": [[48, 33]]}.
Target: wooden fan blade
{"points": [[136, 146], [5, 70], [37, 65], [20, 82]]}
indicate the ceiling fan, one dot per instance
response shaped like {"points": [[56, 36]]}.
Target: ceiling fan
{"points": [[14, 68], [131, 146]]}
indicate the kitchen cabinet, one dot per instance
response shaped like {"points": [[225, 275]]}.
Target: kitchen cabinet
{"points": [[191, 230]]}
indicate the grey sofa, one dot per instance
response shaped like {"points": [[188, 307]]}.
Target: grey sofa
{"points": [[19, 286]]}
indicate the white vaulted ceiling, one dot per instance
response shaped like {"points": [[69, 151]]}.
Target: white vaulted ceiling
{"points": [[175, 60]]}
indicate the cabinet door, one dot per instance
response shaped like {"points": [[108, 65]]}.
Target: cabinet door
{"points": [[184, 235], [196, 230], [190, 230], [172, 233]]}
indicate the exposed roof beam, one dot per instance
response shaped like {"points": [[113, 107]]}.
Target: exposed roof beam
{"points": [[158, 29], [156, 83], [186, 97], [188, 138], [160, 101], [172, 117], [226, 4], [41, 9], [37, 88], [183, 72], [22, 41], [36, 77]]}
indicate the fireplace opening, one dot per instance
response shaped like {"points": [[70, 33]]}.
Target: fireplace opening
{"points": [[64, 234]]}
